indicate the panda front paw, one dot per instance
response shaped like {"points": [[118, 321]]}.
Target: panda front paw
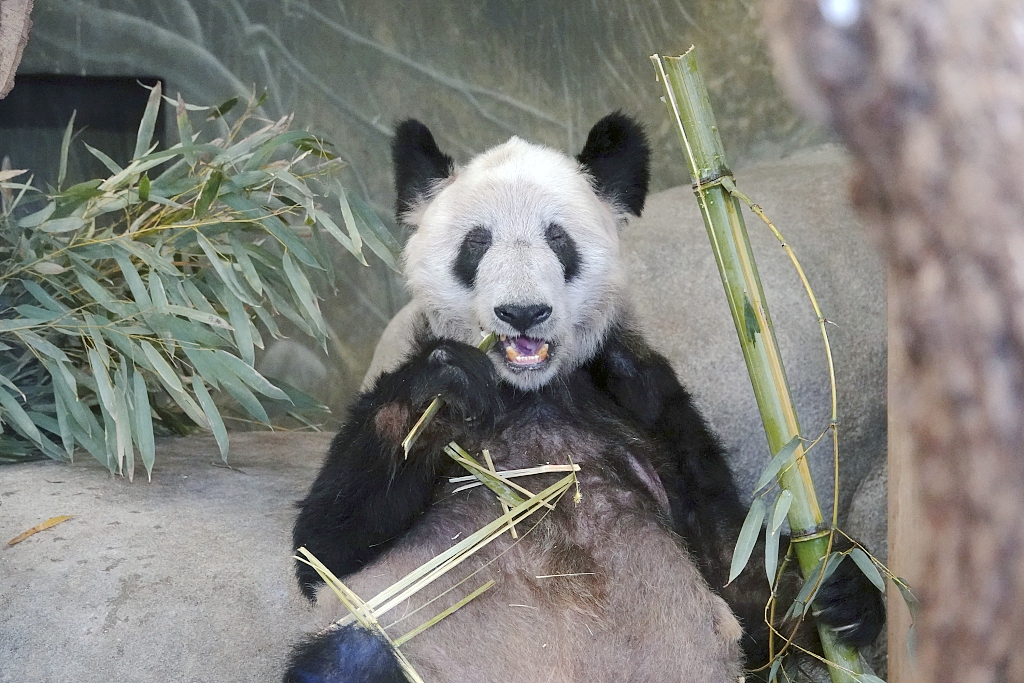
{"points": [[464, 376], [851, 605]]}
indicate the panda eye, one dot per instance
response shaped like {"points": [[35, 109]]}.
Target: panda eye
{"points": [[565, 249], [474, 245]]}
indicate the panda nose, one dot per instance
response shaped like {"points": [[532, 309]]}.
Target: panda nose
{"points": [[523, 317]]}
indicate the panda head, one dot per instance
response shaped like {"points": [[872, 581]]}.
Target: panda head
{"points": [[522, 241]]}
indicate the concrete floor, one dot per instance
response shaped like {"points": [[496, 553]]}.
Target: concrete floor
{"points": [[187, 578]]}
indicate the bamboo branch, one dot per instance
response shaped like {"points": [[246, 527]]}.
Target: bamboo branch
{"points": [[687, 100]]}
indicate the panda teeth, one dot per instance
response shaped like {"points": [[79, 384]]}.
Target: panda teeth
{"points": [[519, 359]]}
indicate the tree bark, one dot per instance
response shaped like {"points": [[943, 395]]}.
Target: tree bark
{"points": [[929, 96], [14, 27]]}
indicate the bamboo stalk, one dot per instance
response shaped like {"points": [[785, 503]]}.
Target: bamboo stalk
{"points": [[687, 100]]}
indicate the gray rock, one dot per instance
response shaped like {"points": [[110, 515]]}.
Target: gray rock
{"points": [[187, 578], [682, 308]]}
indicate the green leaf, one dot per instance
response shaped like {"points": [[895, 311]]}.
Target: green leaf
{"points": [[748, 537], [144, 188], [913, 604], [185, 133], [304, 292], [813, 584], [93, 327], [774, 673], [274, 226], [15, 415], [65, 147], [148, 125], [135, 284], [67, 437], [167, 374], [245, 263], [48, 268], [350, 225], [69, 224], [250, 376], [240, 324], [223, 269], [111, 165], [868, 568], [376, 235], [143, 420], [209, 193], [774, 533], [781, 458], [34, 219], [222, 109], [212, 414], [43, 297]]}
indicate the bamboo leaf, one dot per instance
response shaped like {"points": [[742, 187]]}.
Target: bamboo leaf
{"points": [[208, 194], [773, 534], [781, 458], [143, 422], [111, 165], [48, 268], [65, 147], [167, 374], [350, 225], [223, 269], [43, 297], [748, 537], [212, 414], [250, 376], [148, 124], [15, 415], [222, 109], [304, 292], [144, 187], [868, 568], [245, 263], [782, 505], [67, 437], [34, 219], [913, 604], [60, 225]]}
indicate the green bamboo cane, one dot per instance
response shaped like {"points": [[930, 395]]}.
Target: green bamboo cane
{"points": [[687, 100]]}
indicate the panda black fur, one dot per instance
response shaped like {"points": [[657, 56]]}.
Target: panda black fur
{"points": [[523, 242]]}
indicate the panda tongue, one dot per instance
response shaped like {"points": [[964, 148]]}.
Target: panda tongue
{"points": [[528, 346]]}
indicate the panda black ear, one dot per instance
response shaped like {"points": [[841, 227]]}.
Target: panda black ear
{"points": [[619, 159], [418, 163]]}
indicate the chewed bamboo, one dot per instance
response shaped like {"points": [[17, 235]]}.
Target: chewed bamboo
{"points": [[690, 109]]}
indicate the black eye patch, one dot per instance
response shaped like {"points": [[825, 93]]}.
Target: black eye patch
{"points": [[474, 245], [565, 249]]}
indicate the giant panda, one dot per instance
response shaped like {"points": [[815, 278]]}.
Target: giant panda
{"points": [[627, 582]]}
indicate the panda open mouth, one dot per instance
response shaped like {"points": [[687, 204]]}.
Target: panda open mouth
{"points": [[524, 352]]}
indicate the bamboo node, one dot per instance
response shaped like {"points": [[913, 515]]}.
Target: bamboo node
{"points": [[819, 532]]}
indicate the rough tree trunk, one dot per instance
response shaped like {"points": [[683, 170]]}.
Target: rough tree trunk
{"points": [[929, 96], [14, 28]]}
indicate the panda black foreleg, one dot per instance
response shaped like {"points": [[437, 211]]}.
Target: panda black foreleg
{"points": [[367, 492]]}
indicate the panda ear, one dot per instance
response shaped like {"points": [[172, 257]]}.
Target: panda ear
{"points": [[618, 158], [418, 163]]}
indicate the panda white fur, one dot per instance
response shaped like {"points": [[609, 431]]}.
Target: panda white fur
{"points": [[523, 241]]}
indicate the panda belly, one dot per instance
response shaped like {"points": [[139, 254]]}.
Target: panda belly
{"points": [[599, 591]]}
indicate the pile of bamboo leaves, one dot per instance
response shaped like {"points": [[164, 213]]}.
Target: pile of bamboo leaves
{"points": [[128, 302]]}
